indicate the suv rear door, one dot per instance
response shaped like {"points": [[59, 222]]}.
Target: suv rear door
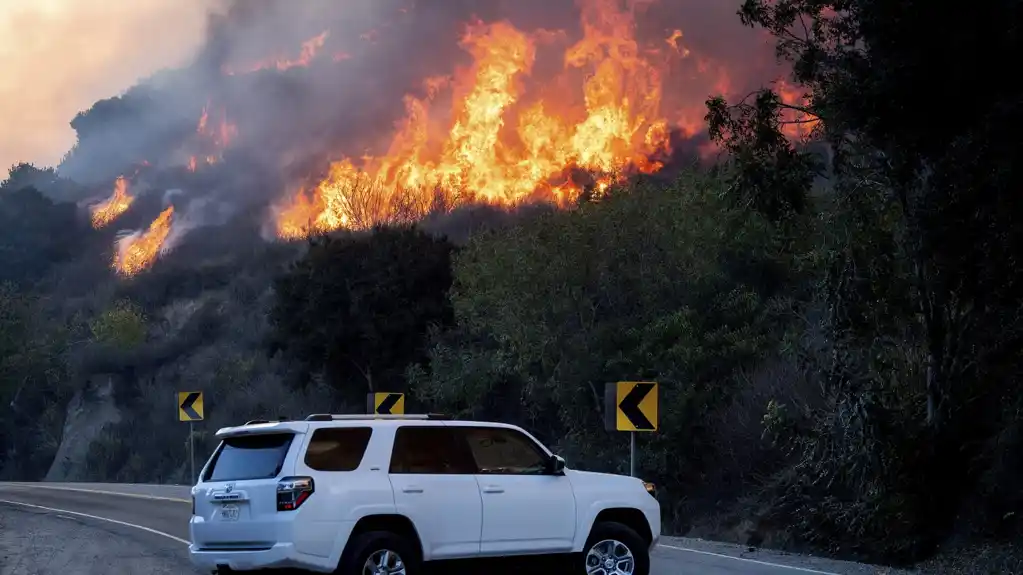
{"points": [[236, 502], [432, 478]]}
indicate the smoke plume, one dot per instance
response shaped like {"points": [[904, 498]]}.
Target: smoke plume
{"points": [[317, 115], [60, 56]]}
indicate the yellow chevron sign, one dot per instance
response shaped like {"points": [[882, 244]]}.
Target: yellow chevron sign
{"points": [[190, 407]]}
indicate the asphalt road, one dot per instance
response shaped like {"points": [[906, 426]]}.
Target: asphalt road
{"points": [[81, 529]]}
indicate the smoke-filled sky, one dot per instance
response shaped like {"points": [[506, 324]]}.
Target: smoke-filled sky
{"points": [[60, 56]]}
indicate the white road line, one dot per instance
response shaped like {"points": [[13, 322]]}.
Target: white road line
{"points": [[97, 518], [765, 563], [97, 491], [177, 500]]}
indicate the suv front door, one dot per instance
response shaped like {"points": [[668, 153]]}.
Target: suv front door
{"points": [[525, 509], [432, 478]]}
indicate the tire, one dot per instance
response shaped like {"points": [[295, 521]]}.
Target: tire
{"points": [[366, 545], [597, 545]]}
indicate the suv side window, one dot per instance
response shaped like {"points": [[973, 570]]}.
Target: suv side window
{"points": [[337, 448], [503, 451], [431, 450]]}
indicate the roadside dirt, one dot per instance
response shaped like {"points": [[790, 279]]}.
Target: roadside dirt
{"points": [[33, 543]]}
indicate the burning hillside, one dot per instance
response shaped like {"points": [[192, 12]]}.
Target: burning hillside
{"points": [[506, 143], [534, 102], [137, 251], [108, 210], [212, 140], [310, 48]]}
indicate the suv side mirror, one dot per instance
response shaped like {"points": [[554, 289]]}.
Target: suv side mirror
{"points": [[555, 465]]}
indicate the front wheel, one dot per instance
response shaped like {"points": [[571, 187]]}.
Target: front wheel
{"points": [[615, 549], [379, 553]]}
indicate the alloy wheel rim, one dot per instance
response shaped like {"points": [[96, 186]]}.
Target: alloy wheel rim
{"points": [[610, 557], [384, 562]]}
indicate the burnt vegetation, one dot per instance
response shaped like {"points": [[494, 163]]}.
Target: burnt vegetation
{"points": [[836, 326]]}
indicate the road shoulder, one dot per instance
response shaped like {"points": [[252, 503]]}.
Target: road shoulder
{"points": [[33, 542], [791, 561]]}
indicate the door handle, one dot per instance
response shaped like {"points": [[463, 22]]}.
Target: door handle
{"points": [[492, 489], [412, 489]]}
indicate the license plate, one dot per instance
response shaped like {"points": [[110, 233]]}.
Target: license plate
{"points": [[229, 513]]}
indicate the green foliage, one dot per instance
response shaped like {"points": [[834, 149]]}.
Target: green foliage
{"points": [[37, 233], [123, 326], [359, 307], [33, 387], [666, 284], [772, 178], [922, 319]]}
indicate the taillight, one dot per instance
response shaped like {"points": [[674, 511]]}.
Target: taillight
{"points": [[292, 492], [193, 504]]}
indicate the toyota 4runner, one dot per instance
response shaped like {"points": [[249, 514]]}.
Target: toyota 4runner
{"points": [[369, 495]]}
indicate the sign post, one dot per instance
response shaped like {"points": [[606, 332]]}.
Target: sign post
{"points": [[631, 406], [385, 403], [190, 409], [632, 453]]}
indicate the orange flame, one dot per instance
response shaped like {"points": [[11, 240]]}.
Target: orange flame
{"points": [[310, 49], [219, 139], [203, 119], [796, 124], [137, 252], [110, 209], [675, 42], [502, 147]]}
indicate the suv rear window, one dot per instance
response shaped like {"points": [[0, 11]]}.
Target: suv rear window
{"points": [[337, 448], [250, 457]]}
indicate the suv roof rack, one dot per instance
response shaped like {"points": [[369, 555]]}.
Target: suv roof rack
{"points": [[358, 416], [255, 421]]}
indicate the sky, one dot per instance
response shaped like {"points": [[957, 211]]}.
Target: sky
{"points": [[60, 56]]}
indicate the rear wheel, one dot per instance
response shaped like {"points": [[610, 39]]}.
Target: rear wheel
{"points": [[379, 553], [615, 549]]}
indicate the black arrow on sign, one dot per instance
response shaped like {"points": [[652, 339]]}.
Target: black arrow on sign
{"points": [[186, 405], [389, 402], [630, 405]]}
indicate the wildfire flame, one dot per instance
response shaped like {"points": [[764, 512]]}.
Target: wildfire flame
{"points": [[217, 139], [310, 49], [502, 146], [138, 251], [110, 209], [796, 124]]}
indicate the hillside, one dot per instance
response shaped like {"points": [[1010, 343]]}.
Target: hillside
{"points": [[822, 279]]}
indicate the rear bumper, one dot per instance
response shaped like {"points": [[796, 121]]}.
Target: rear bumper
{"points": [[280, 556]]}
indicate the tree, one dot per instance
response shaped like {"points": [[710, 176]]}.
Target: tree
{"points": [[659, 282], [45, 180], [123, 326], [37, 233], [33, 387], [871, 67], [358, 307], [923, 295]]}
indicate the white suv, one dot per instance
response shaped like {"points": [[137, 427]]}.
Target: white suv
{"points": [[373, 495]]}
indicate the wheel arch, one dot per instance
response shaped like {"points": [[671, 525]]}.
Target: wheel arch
{"points": [[628, 516], [391, 522]]}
